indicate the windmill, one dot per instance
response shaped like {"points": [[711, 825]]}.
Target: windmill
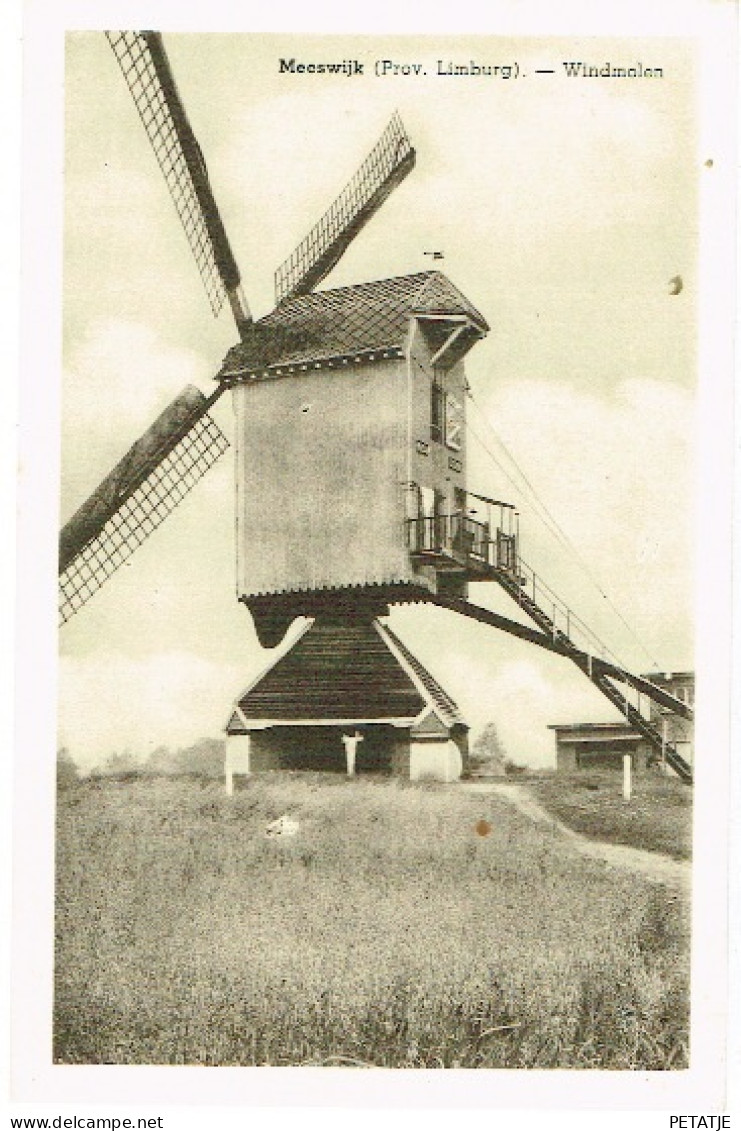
{"points": [[350, 469]]}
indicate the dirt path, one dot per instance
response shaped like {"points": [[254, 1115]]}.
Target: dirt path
{"points": [[653, 865]]}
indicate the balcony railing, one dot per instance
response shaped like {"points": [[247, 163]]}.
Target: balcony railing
{"points": [[456, 540]]}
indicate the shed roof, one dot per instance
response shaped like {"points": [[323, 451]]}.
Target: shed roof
{"points": [[595, 733], [619, 726], [344, 670], [364, 319], [446, 708], [666, 678]]}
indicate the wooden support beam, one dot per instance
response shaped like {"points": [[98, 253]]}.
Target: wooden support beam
{"points": [[592, 666], [451, 338], [496, 620]]}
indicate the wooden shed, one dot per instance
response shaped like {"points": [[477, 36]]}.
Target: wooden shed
{"points": [[584, 746], [348, 697], [351, 449]]}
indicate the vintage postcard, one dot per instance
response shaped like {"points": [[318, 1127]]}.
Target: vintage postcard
{"points": [[391, 659]]}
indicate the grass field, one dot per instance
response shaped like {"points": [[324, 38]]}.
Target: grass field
{"points": [[658, 818], [389, 931]]}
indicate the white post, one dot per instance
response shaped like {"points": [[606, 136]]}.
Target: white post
{"points": [[236, 760], [351, 745], [664, 768], [627, 768]]}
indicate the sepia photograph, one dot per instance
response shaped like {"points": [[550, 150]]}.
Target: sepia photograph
{"points": [[378, 551]]}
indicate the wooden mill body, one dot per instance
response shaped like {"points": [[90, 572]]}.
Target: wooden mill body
{"points": [[340, 452]]}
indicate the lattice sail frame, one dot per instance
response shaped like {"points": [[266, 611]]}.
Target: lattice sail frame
{"points": [[143, 62], [386, 165], [99, 539], [141, 513]]}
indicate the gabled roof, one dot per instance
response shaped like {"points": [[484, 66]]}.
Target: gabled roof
{"points": [[347, 322], [429, 726], [236, 724], [348, 671]]}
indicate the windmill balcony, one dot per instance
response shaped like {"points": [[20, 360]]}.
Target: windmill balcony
{"points": [[457, 543]]}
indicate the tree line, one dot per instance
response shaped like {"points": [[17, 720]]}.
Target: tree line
{"points": [[204, 758]]}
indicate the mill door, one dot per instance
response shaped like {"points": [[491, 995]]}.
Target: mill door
{"points": [[429, 512], [431, 519]]}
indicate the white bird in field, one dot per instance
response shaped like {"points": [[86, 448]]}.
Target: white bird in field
{"points": [[282, 826]]}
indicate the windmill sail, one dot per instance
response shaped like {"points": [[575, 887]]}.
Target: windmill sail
{"points": [[157, 472], [145, 66], [384, 168]]}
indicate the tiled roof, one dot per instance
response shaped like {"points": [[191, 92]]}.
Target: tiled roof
{"points": [[345, 322], [345, 670]]}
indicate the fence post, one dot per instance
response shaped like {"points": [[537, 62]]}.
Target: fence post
{"points": [[627, 774]]}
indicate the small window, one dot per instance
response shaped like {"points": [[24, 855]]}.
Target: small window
{"points": [[437, 412], [453, 423]]}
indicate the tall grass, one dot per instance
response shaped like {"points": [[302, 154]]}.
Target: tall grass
{"points": [[658, 818], [387, 932]]}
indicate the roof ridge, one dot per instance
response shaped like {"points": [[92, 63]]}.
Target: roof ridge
{"points": [[446, 285], [440, 698]]}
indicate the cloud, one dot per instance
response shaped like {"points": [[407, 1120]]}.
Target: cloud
{"points": [[524, 699], [110, 702], [616, 472], [118, 377], [118, 357]]}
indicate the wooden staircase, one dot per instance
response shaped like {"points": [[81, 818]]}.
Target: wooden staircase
{"points": [[602, 673]]}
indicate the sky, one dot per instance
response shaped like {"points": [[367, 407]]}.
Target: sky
{"points": [[563, 206]]}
